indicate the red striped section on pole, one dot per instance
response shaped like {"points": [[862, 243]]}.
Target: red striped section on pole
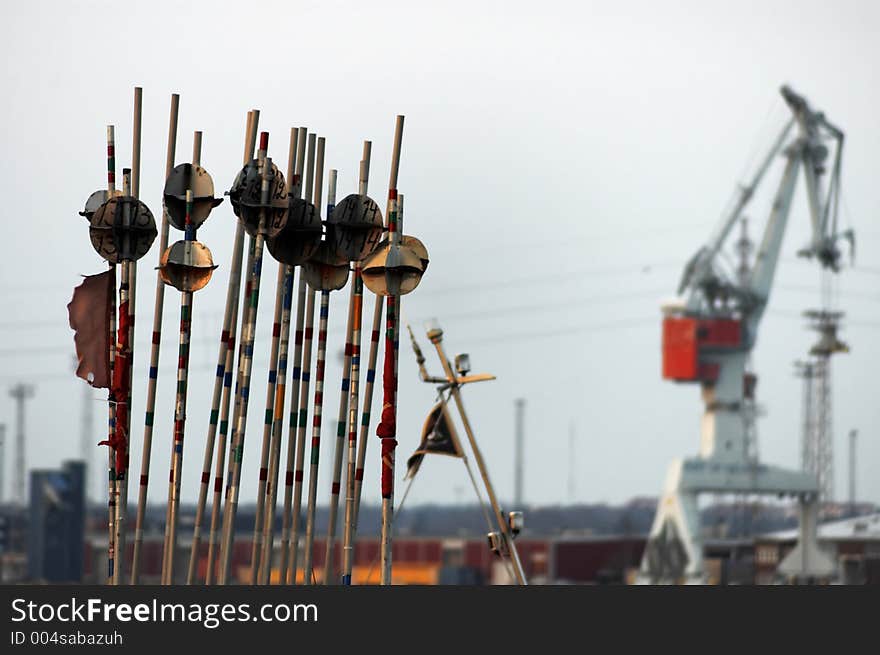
{"points": [[387, 428]]}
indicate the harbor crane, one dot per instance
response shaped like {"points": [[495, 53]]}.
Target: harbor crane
{"points": [[708, 335]]}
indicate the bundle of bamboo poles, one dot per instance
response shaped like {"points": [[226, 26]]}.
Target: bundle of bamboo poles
{"points": [[284, 215]]}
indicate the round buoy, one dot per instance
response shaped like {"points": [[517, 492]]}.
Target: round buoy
{"points": [[355, 227], [301, 235], [122, 229], [395, 269], [186, 265], [246, 198], [94, 201], [326, 271], [183, 178]]}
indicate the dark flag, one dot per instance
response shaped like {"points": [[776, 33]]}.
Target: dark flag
{"points": [[438, 438], [89, 316]]}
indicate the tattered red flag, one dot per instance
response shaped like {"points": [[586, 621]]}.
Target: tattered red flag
{"points": [[89, 316]]}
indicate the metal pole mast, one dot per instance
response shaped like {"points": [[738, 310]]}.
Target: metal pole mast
{"points": [[826, 323], [20, 393], [437, 340], [520, 405], [853, 434], [805, 370]]}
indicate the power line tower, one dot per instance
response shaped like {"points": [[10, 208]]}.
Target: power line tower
{"points": [[744, 247], [20, 393], [806, 370], [826, 323]]}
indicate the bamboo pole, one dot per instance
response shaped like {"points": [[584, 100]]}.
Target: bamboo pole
{"points": [[296, 510], [111, 404], [308, 559], [228, 353], [256, 545], [355, 310], [176, 471], [129, 279], [343, 398], [314, 172], [158, 309], [366, 413], [282, 283], [227, 341], [245, 367], [216, 555], [295, 380], [122, 391], [265, 569], [387, 429]]}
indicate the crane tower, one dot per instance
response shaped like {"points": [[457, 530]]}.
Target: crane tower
{"points": [[708, 336]]}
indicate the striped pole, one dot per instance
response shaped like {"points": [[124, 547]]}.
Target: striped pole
{"points": [[176, 469], [246, 355], [358, 289], [228, 350], [186, 298], [215, 545], [158, 309], [318, 412], [227, 341], [343, 410], [290, 545], [129, 275], [268, 526], [111, 404], [284, 272], [256, 546], [355, 310], [295, 379], [387, 429], [121, 392], [366, 414], [316, 438], [296, 510]]}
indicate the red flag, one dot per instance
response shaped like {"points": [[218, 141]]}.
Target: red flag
{"points": [[89, 315]]}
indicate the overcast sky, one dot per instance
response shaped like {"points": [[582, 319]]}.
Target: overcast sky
{"points": [[561, 161]]}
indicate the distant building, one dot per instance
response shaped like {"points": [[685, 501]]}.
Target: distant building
{"points": [[56, 524], [854, 542], [13, 536]]}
